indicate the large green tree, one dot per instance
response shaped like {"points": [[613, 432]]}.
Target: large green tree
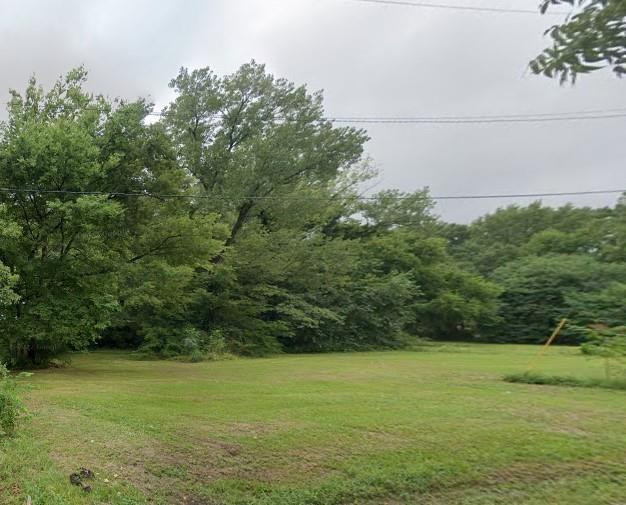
{"points": [[265, 158], [259, 146], [66, 157]]}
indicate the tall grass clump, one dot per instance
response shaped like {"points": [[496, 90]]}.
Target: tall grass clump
{"points": [[556, 380]]}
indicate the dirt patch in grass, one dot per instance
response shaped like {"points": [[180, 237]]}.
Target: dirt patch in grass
{"points": [[13, 489], [256, 430]]}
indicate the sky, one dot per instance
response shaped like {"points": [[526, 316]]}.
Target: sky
{"points": [[370, 60]]}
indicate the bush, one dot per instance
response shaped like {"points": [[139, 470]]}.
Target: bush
{"points": [[555, 380], [10, 405], [196, 356], [607, 343], [195, 347]]}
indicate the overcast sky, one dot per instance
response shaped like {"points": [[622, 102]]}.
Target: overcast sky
{"points": [[370, 60]]}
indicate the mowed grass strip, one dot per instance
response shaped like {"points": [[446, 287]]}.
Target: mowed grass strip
{"points": [[434, 427]]}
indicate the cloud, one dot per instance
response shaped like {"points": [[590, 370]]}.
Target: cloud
{"points": [[370, 60]]}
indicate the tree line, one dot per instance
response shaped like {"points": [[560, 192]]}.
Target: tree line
{"points": [[233, 222]]}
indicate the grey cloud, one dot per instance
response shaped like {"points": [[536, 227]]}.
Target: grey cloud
{"points": [[370, 60]]}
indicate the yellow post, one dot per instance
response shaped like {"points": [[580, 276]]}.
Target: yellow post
{"points": [[545, 346]]}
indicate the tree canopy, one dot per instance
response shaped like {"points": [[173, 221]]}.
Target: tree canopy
{"points": [[235, 224]]}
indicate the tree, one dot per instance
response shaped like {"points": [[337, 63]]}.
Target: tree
{"points": [[590, 39], [256, 143], [608, 343], [75, 251], [399, 234], [265, 158], [539, 291], [495, 239], [447, 300], [513, 232], [605, 307]]}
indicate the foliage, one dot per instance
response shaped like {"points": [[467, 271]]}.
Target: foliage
{"points": [[610, 344], [538, 291], [308, 267], [555, 380], [262, 244], [85, 262], [448, 301], [7, 282], [513, 232], [10, 405], [252, 140], [605, 307], [549, 263], [592, 37], [606, 342]]}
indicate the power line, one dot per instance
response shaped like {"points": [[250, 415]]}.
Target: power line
{"points": [[538, 117], [299, 198], [475, 119], [460, 7], [530, 195], [497, 116], [472, 120]]}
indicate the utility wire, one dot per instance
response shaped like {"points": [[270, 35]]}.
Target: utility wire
{"points": [[476, 120], [538, 117], [300, 198], [529, 195], [497, 116], [476, 8]]}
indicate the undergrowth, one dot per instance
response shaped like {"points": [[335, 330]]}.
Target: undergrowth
{"points": [[10, 405]]}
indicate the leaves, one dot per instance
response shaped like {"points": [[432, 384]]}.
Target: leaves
{"points": [[70, 257], [592, 37]]}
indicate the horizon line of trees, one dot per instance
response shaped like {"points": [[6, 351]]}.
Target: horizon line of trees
{"points": [[269, 248]]}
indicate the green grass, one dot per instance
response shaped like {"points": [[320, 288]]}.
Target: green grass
{"points": [[559, 380], [432, 427]]}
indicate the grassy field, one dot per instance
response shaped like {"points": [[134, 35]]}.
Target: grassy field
{"points": [[431, 427]]}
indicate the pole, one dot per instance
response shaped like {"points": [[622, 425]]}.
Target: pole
{"points": [[545, 346]]}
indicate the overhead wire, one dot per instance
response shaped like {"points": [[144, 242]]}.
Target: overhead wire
{"points": [[537, 117], [475, 120], [303, 198], [475, 8]]}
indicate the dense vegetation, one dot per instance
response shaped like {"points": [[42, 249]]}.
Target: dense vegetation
{"points": [[234, 223], [549, 264]]}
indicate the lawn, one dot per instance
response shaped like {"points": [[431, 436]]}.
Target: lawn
{"points": [[432, 427]]}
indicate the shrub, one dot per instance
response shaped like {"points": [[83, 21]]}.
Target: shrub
{"points": [[196, 356], [10, 405], [607, 343]]}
